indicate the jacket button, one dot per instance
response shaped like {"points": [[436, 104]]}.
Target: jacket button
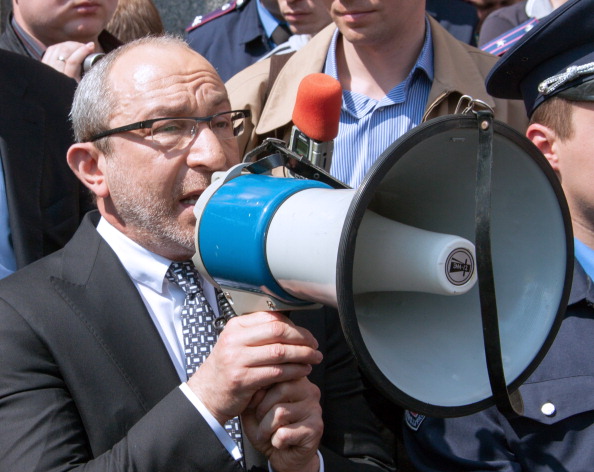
{"points": [[548, 409]]}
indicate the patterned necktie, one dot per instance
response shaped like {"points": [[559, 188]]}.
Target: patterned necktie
{"points": [[198, 329]]}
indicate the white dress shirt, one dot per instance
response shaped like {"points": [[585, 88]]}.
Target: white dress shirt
{"points": [[163, 300]]}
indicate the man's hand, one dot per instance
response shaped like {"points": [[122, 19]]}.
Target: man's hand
{"points": [[285, 424], [68, 57], [253, 353]]}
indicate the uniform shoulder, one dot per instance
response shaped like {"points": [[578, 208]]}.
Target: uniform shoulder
{"points": [[224, 9], [502, 43]]}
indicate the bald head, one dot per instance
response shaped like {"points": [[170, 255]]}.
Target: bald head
{"points": [[139, 68]]}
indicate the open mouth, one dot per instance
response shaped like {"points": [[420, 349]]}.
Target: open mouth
{"points": [[189, 200]]}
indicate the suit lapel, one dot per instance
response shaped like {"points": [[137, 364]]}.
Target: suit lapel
{"points": [[254, 460], [98, 288]]}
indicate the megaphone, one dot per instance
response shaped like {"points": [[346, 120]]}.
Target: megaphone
{"points": [[397, 258]]}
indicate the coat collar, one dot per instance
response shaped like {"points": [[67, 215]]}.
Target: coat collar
{"points": [[455, 70], [581, 287], [278, 110]]}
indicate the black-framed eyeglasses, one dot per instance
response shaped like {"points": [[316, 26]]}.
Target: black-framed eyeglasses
{"points": [[178, 132]]}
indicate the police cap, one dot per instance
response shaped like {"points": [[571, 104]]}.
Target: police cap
{"points": [[555, 58]]}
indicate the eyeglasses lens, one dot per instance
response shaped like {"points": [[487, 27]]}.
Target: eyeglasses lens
{"points": [[177, 133]]}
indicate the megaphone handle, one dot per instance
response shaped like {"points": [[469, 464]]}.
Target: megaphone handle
{"points": [[508, 404], [226, 311]]}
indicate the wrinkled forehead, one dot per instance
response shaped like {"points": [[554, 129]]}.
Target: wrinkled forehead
{"points": [[166, 80]]}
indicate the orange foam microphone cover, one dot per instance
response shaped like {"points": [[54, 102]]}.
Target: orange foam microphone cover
{"points": [[317, 107]]}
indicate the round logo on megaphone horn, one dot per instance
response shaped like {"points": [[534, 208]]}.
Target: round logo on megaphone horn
{"points": [[459, 266]]}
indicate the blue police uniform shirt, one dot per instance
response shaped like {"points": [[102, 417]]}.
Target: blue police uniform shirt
{"points": [[232, 37], [556, 431], [7, 258], [585, 256], [368, 126], [269, 22]]}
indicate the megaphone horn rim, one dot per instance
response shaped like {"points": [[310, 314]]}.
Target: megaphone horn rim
{"points": [[345, 264]]}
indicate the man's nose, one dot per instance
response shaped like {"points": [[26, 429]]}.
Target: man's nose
{"points": [[207, 151]]}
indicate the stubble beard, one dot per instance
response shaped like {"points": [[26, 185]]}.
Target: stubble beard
{"points": [[151, 221]]}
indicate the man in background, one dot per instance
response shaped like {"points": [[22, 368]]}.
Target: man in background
{"points": [[506, 25], [238, 34], [458, 17], [397, 67], [59, 33], [305, 19], [41, 201]]}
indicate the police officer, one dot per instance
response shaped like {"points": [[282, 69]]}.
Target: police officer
{"points": [[238, 34], [552, 69]]}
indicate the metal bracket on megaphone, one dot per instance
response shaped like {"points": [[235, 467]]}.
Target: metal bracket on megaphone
{"points": [[467, 105], [273, 154], [263, 163]]}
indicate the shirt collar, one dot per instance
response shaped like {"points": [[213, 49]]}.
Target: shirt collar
{"points": [[585, 255], [269, 22], [424, 61], [359, 105], [142, 265], [33, 47], [582, 287]]}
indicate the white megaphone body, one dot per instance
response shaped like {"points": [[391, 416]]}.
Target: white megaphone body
{"points": [[290, 231], [396, 257]]}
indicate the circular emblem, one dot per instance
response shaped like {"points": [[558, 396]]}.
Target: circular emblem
{"points": [[459, 266]]}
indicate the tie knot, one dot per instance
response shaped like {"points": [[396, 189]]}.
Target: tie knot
{"points": [[185, 275]]}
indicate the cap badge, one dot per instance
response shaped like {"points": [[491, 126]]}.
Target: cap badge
{"points": [[551, 84]]}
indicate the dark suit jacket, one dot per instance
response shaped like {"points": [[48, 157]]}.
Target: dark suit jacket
{"points": [[86, 379], [45, 200]]}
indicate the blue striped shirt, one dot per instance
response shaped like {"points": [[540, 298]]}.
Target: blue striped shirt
{"points": [[368, 126]]}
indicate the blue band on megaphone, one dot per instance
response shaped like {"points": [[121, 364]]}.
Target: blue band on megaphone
{"points": [[232, 232]]}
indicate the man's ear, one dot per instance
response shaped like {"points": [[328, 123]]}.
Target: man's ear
{"points": [[545, 139], [88, 164]]}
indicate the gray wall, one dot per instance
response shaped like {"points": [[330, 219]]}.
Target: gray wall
{"points": [[176, 14]]}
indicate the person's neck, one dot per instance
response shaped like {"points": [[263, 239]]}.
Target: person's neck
{"points": [[45, 42], [373, 70], [25, 28]]}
